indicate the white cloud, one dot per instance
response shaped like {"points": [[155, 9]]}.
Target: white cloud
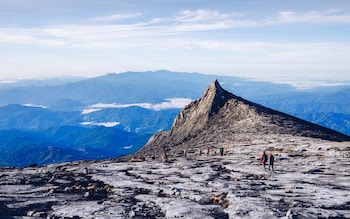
{"points": [[204, 19], [8, 81], [204, 15], [29, 37], [163, 32], [105, 124], [133, 34], [170, 103], [232, 46], [35, 105], [90, 110], [331, 16], [114, 17]]}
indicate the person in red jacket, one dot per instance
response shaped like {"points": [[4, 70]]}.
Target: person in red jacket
{"points": [[264, 159]]}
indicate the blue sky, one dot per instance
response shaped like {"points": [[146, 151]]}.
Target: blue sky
{"points": [[274, 40]]}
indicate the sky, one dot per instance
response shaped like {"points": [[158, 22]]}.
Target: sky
{"points": [[291, 41]]}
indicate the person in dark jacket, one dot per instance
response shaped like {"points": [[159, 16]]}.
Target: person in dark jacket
{"points": [[221, 151], [271, 161]]}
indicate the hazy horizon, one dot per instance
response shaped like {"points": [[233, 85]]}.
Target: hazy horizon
{"points": [[299, 84], [293, 42]]}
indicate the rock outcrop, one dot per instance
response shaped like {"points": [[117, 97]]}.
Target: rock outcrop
{"points": [[220, 116]]}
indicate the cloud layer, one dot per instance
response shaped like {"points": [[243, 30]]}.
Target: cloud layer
{"points": [[170, 103], [103, 33]]}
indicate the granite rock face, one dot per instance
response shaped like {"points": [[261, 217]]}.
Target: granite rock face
{"points": [[220, 116]]}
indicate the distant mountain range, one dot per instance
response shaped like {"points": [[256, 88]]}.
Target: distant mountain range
{"points": [[48, 121]]}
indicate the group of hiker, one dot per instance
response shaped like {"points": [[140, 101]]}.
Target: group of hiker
{"points": [[264, 158], [267, 159], [207, 151]]}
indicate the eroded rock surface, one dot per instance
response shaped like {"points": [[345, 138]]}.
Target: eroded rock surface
{"points": [[310, 180]]}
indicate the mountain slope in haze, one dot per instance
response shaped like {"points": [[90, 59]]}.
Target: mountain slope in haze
{"points": [[21, 117], [129, 87], [221, 115], [65, 144], [20, 148]]}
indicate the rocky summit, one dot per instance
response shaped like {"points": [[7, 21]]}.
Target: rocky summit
{"points": [[220, 116], [207, 166]]}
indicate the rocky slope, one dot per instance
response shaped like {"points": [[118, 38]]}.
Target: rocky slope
{"points": [[220, 116], [311, 179]]}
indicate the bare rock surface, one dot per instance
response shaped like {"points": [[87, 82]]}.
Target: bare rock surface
{"points": [[311, 179]]}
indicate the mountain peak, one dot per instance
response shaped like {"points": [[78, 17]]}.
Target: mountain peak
{"points": [[214, 98], [220, 116], [215, 87], [196, 115]]}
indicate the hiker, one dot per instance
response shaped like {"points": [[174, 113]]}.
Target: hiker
{"points": [[164, 157], [271, 161], [263, 159], [221, 151], [227, 146], [208, 151]]}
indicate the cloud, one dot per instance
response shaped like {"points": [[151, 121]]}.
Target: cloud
{"points": [[8, 81], [325, 17], [115, 17], [204, 19], [29, 37], [168, 104], [90, 110], [35, 105], [172, 103], [231, 46], [170, 31], [135, 34], [105, 124], [163, 32], [203, 15]]}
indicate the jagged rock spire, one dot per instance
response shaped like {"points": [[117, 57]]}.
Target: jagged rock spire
{"points": [[214, 98], [195, 116]]}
